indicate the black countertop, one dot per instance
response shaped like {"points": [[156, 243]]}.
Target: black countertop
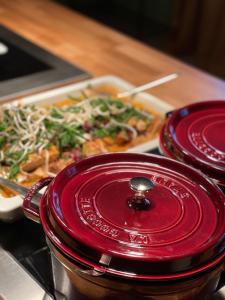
{"points": [[25, 240], [28, 68]]}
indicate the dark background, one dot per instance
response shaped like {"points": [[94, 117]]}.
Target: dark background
{"points": [[191, 30]]}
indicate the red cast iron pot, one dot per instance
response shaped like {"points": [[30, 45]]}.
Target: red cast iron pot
{"points": [[132, 226], [195, 134]]}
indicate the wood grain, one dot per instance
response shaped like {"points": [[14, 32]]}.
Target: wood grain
{"points": [[102, 51]]}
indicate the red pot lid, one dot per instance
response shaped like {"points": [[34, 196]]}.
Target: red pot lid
{"points": [[93, 214], [195, 134]]}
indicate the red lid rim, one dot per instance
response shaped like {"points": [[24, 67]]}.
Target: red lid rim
{"points": [[185, 153], [164, 151], [126, 275]]}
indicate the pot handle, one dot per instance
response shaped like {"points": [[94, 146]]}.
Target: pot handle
{"points": [[31, 202]]}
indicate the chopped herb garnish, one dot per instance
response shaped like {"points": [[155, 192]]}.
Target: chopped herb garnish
{"points": [[56, 113], [75, 98], [103, 132], [3, 126], [73, 109], [2, 141], [14, 170]]}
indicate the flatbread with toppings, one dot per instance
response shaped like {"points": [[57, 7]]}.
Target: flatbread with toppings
{"points": [[37, 141]]}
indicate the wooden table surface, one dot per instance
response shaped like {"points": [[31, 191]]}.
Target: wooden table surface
{"points": [[102, 51]]}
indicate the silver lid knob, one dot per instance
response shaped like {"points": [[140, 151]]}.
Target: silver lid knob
{"points": [[140, 185]]}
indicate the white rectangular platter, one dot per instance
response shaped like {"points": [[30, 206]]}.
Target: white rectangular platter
{"points": [[10, 208]]}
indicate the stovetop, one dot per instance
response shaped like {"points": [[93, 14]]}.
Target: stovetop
{"points": [[25, 240], [16, 62], [27, 68]]}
